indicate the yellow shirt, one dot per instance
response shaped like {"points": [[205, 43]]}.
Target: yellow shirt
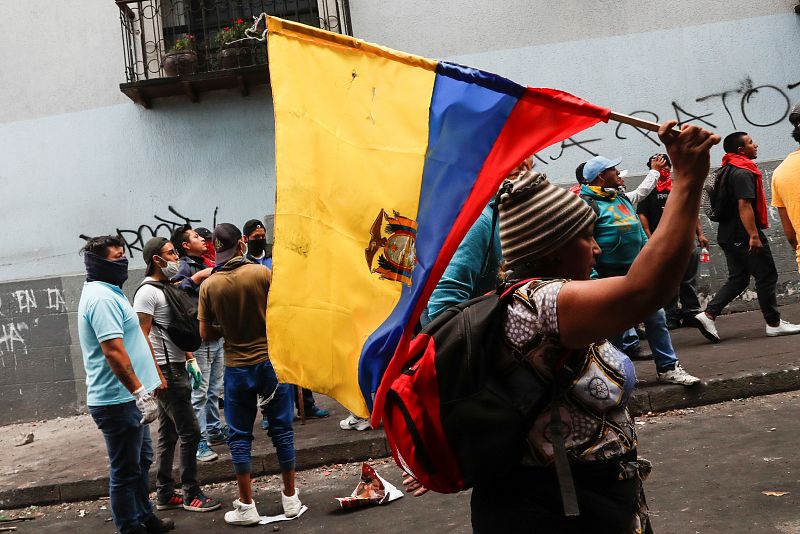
{"points": [[786, 191]]}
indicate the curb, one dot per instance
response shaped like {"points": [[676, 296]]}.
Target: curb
{"points": [[664, 397], [361, 446], [365, 445]]}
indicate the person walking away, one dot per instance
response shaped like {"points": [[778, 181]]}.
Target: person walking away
{"points": [[233, 305], [650, 211], [621, 238], [121, 379], [176, 419], [740, 236], [786, 187], [192, 272]]}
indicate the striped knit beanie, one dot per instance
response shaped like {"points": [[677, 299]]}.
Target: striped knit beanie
{"points": [[537, 217]]}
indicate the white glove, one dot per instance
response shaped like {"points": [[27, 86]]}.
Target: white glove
{"points": [[146, 404]]}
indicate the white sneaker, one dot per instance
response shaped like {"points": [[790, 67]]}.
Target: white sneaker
{"points": [[783, 329], [354, 423], [291, 505], [707, 327], [242, 514], [678, 376]]}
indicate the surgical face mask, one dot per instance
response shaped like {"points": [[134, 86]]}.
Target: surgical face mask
{"points": [[171, 269], [256, 247]]}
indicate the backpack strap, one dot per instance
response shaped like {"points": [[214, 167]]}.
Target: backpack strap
{"points": [[161, 329], [592, 203]]}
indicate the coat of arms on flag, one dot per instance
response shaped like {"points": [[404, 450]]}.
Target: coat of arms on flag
{"points": [[399, 254]]}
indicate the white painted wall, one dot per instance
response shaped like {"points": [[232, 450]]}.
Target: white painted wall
{"points": [[76, 156], [630, 55]]}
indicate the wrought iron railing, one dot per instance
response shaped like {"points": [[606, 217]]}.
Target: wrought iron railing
{"points": [[163, 38]]}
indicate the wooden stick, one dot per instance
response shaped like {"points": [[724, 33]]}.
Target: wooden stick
{"points": [[636, 122]]}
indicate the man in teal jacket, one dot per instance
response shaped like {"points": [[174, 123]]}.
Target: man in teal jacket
{"points": [[621, 236]]}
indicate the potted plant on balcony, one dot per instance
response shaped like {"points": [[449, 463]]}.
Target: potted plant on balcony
{"points": [[233, 52], [181, 60]]}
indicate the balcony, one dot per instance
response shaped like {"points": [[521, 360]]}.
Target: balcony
{"points": [[182, 47]]}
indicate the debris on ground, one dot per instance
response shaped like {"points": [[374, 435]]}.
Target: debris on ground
{"points": [[28, 438]]}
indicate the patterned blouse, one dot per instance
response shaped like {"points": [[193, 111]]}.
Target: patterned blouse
{"points": [[593, 409]]}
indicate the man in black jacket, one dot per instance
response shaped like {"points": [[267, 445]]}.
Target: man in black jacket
{"points": [[192, 272]]}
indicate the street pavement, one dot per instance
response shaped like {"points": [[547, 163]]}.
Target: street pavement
{"points": [[712, 465], [67, 459]]}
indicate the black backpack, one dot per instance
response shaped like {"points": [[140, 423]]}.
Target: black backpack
{"points": [[461, 408], [716, 200], [184, 329]]}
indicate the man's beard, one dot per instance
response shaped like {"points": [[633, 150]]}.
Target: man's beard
{"points": [[796, 133]]}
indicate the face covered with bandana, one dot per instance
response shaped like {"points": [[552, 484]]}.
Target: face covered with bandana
{"points": [[257, 242], [113, 269]]}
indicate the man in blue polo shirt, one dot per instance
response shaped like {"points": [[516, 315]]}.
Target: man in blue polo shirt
{"points": [[120, 377]]}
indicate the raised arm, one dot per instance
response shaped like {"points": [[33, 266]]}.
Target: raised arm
{"points": [[644, 189], [589, 311]]}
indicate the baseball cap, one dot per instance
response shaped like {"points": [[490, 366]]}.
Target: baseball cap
{"points": [[203, 232], [226, 237], [596, 165], [251, 226], [152, 248]]}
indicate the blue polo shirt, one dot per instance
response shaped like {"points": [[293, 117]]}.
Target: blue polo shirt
{"points": [[104, 313]]}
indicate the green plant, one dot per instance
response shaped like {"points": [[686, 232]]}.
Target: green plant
{"points": [[233, 32], [184, 44]]}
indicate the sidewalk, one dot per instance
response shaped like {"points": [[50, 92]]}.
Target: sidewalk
{"points": [[67, 459]]}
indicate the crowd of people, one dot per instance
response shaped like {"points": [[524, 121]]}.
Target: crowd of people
{"points": [[606, 265]]}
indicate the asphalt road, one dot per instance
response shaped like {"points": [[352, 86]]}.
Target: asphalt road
{"points": [[711, 467]]}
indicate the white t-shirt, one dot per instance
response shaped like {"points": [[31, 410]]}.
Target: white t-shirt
{"points": [[151, 300]]}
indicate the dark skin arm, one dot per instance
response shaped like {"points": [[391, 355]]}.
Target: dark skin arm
{"points": [[591, 310], [702, 240], [788, 229], [120, 363], [749, 222]]}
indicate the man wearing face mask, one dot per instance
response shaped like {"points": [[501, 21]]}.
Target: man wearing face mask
{"points": [[620, 236], [255, 235], [176, 417], [233, 305], [120, 378]]}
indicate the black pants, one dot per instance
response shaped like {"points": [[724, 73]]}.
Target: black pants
{"points": [[176, 420], [741, 266], [687, 294], [529, 500]]}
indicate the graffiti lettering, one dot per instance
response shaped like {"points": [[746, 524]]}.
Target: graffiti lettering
{"points": [[11, 336], [570, 142], [134, 240], [25, 300], [55, 300], [678, 110], [746, 98], [646, 133]]}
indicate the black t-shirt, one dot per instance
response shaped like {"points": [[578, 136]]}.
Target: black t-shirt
{"points": [[741, 183], [652, 207]]}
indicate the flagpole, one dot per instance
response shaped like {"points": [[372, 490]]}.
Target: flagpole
{"points": [[636, 122]]}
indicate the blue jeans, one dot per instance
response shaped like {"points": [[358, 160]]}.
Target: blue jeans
{"points": [[243, 385], [205, 399], [130, 453], [655, 327]]}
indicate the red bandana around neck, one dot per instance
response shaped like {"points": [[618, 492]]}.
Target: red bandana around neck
{"points": [[664, 182], [737, 160]]}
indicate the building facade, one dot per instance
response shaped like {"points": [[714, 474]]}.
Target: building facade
{"points": [[96, 138]]}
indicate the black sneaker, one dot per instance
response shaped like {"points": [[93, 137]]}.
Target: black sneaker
{"points": [[155, 525], [639, 353], [673, 324], [201, 503], [172, 502]]}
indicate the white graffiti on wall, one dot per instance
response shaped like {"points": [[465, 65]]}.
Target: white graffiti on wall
{"points": [[20, 312]]}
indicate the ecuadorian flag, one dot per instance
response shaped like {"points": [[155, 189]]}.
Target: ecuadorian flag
{"points": [[384, 160]]}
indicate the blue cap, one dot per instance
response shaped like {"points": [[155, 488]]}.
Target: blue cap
{"points": [[596, 165]]}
